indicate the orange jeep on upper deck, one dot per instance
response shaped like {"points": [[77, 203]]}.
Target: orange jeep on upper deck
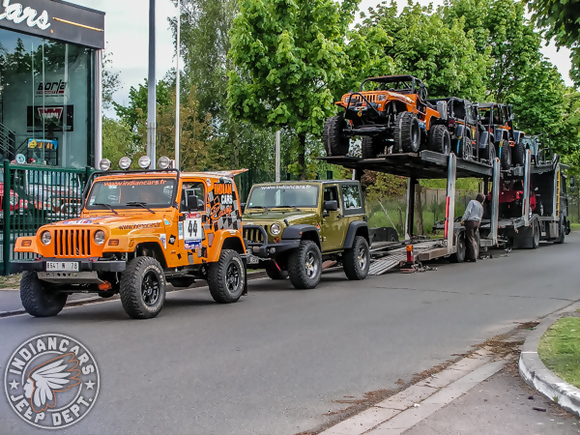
{"points": [[394, 116], [137, 230]]}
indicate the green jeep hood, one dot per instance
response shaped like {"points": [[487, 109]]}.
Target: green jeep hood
{"points": [[305, 216]]}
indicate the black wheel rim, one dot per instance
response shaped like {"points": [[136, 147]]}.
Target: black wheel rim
{"points": [[233, 278], [150, 288]]}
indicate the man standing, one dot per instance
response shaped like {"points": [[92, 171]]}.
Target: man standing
{"points": [[471, 219]]}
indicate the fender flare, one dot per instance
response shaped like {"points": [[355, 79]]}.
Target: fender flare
{"points": [[219, 238], [353, 228], [294, 232]]}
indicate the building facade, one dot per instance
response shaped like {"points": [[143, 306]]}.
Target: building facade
{"points": [[50, 82]]}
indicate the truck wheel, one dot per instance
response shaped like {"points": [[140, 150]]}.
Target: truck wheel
{"points": [[519, 154], [275, 273], [356, 260], [305, 265], [562, 233], [459, 256], [535, 235], [142, 288], [38, 300], [439, 139], [335, 142], [227, 277], [407, 133], [506, 156]]}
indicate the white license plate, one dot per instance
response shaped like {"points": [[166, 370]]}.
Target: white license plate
{"points": [[62, 266], [252, 259]]}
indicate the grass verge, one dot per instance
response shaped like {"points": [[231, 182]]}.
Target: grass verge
{"points": [[574, 226], [10, 281], [559, 349]]}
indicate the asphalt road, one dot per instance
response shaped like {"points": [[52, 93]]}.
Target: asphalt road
{"points": [[280, 361]]}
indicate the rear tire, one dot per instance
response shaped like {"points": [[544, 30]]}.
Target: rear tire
{"points": [[439, 139], [37, 300], [143, 288], [466, 149], [562, 230], [535, 235], [227, 277], [335, 142], [407, 133], [506, 156], [368, 149], [519, 154], [356, 260], [305, 265], [489, 153]]}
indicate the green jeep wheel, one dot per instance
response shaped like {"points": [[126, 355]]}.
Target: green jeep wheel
{"points": [[305, 265], [356, 260]]}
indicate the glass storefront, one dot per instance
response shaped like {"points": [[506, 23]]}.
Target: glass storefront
{"points": [[46, 100]]}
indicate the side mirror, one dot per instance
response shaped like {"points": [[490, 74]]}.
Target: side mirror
{"points": [[331, 205], [192, 202]]}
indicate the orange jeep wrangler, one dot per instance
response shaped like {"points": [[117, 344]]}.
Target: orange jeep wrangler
{"points": [[392, 115], [137, 231]]}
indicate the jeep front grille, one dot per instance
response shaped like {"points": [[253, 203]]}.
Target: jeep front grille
{"points": [[254, 235], [72, 243], [356, 98]]}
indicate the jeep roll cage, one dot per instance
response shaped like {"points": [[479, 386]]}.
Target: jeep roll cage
{"points": [[404, 83]]}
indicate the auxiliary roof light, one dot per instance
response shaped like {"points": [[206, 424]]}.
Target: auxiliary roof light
{"points": [[125, 163], [144, 162], [105, 165], [163, 162]]}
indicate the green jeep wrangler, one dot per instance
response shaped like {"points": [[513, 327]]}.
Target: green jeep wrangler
{"points": [[291, 227]]}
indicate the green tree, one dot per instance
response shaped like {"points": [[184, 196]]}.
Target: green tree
{"points": [[289, 57], [110, 81], [117, 141], [561, 19]]}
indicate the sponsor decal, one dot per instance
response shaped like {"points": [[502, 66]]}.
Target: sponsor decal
{"points": [[166, 221], [180, 230], [43, 143], [52, 381], [193, 229], [135, 183], [172, 239], [163, 238], [140, 226]]}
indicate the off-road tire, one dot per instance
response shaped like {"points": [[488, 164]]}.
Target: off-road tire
{"points": [[227, 278], [439, 139], [367, 147], [407, 133], [356, 260], [142, 288], [466, 149], [489, 153], [506, 156], [274, 273], [459, 255], [38, 300], [305, 265], [335, 142], [519, 154]]}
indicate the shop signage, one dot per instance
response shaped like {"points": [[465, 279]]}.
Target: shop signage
{"points": [[51, 88], [54, 20], [53, 118], [43, 143]]}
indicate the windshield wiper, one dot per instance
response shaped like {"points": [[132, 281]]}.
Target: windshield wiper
{"points": [[287, 206], [257, 206], [109, 206], [140, 204]]}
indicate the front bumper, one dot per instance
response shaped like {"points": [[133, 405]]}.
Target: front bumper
{"points": [[85, 265], [266, 250]]}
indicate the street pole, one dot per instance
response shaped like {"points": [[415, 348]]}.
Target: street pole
{"points": [[151, 97], [177, 100], [278, 155]]}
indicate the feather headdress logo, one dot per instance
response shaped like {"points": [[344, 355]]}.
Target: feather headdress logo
{"points": [[52, 381]]}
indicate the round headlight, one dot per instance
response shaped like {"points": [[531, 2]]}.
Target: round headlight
{"points": [[144, 162], [275, 229], [125, 163], [46, 238], [163, 162], [99, 237], [105, 164], [381, 97]]}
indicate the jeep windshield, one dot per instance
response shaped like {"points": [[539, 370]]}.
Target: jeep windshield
{"points": [[131, 193], [283, 196], [404, 84]]}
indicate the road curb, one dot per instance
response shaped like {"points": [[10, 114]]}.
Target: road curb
{"points": [[537, 375], [91, 299]]}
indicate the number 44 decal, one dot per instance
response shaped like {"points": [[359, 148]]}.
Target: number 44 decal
{"points": [[193, 230]]}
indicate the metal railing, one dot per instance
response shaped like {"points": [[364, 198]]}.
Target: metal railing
{"points": [[7, 143]]}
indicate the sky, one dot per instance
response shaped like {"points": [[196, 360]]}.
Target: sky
{"points": [[126, 33]]}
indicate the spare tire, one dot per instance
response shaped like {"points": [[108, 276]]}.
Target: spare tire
{"points": [[407, 133], [506, 156], [335, 142], [439, 139], [519, 154]]}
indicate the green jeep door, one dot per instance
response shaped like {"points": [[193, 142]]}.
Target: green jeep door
{"points": [[334, 226]]}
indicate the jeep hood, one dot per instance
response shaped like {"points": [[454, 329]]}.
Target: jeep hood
{"points": [[113, 221], [292, 217]]}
